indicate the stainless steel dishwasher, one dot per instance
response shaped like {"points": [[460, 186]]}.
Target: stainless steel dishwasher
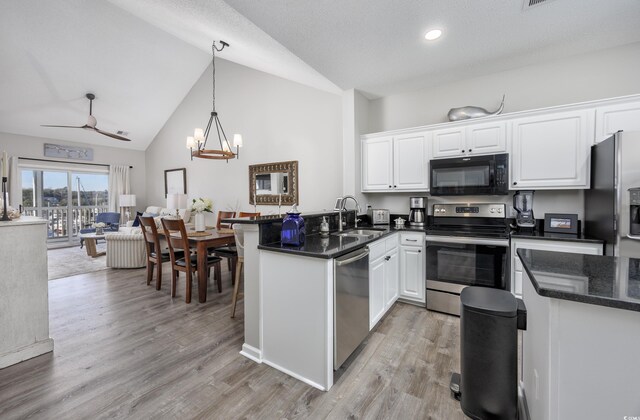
{"points": [[351, 304]]}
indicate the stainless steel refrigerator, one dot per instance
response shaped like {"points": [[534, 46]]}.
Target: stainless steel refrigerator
{"points": [[611, 205]]}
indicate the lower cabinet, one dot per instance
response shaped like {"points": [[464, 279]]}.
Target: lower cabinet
{"points": [[383, 277], [545, 245], [412, 267]]}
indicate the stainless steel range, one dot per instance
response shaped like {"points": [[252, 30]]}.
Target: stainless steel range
{"points": [[467, 245]]}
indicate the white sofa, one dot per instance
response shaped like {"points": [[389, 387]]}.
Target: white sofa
{"points": [[125, 248]]}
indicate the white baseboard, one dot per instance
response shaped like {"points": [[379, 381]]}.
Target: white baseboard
{"points": [[251, 352], [295, 375], [26, 352]]}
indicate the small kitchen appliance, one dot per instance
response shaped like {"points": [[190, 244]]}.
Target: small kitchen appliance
{"points": [[293, 230], [417, 212], [466, 245], [523, 204], [379, 216], [610, 203]]}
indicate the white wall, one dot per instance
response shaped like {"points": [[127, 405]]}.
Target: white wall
{"points": [[33, 147], [603, 74], [279, 121]]}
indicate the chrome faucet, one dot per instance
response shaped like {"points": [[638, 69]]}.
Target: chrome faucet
{"points": [[340, 207]]}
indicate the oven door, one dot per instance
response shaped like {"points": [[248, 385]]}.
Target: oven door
{"points": [[478, 175], [453, 263]]}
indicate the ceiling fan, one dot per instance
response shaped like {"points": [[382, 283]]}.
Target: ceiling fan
{"points": [[91, 122]]}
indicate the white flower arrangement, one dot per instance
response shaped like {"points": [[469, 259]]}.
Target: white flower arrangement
{"points": [[200, 205], [100, 225]]}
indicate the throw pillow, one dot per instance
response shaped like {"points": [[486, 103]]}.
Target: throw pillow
{"points": [[136, 222]]}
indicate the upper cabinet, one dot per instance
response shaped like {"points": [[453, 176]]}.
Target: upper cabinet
{"points": [[612, 118], [551, 151], [474, 139], [398, 163]]}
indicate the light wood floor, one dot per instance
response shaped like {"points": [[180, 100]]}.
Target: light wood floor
{"points": [[125, 350]]}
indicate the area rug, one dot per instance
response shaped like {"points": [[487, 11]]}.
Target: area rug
{"points": [[65, 262]]}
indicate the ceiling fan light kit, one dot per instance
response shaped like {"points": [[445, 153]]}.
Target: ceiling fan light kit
{"points": [[197, 144], [91, 122]]}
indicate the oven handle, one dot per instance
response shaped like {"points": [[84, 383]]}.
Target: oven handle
{"points": [[468, 241]]}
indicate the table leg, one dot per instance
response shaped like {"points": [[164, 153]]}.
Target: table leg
{"points": [[91, 248], [202, 272]]}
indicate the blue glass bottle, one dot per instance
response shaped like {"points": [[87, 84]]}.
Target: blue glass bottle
{"points": [[293, 230]]}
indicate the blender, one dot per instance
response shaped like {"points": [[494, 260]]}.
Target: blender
{"points": [[523, 204]]}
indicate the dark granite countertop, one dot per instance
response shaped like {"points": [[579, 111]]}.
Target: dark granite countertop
{"points": [[566, 237], [593, 279], [333, 246], [269, 218]]}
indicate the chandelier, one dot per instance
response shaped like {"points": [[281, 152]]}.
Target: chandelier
{"points": [[197, 144]]}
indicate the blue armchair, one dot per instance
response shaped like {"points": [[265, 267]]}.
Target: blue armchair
{"points": [[112, 220]]}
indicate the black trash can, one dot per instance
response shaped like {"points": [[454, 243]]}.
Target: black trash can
{"points": [[488, 380]]}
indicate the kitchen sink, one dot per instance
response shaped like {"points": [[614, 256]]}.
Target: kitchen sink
{"points": [[361, 233]]}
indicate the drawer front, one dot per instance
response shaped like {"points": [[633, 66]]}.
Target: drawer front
{"points": [[376, 250], [412, 239]]}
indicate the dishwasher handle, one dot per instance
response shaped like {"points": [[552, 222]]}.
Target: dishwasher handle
{"points": [[364, 253]]}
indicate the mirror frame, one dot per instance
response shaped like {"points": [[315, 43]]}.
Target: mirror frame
{"points": [[288, 167]]}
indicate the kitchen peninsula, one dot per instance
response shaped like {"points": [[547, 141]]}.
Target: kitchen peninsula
{"points": [[24, 305], [580, 349]]}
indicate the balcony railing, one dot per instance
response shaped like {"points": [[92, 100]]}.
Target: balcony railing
{"points": [[57, 218]]}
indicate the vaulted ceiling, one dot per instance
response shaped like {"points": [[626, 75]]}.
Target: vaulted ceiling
{"points": [[142, 57]]}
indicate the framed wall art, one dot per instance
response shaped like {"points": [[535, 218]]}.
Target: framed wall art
{"points": [[175, 181]]}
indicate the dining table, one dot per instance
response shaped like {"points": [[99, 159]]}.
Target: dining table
{"points": [[201, 243]]}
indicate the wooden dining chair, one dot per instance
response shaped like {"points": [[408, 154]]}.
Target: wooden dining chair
{"points": [[238, 232], [189, 262], [224, 215], [155, 256], [243, 214]]}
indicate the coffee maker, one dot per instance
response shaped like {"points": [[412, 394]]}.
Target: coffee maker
{"points": [[523, 204], [417, 213]]}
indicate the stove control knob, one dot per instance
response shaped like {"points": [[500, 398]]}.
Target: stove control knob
{"points": [[500, 210], [492, 210]]}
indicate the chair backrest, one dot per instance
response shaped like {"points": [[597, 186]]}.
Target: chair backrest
{"points": [[171, 226], [224, 215], [238, 232], [110, 218], [150, 233], [243, 214]]}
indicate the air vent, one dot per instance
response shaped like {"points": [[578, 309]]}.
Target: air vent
{"points": [[122, 133], [530, 4]]}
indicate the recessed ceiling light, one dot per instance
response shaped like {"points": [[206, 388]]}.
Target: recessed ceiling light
{"points": [[433, 34]]}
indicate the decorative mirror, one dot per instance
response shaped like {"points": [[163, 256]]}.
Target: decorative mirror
{"points": [[274, 183]]}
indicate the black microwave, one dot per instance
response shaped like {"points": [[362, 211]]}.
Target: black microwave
{"points": [[472, 175]]}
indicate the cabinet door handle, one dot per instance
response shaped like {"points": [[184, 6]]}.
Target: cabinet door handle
{"points": [[470, 150], [419, 250], [515, 183], [411, 240], [387, 258], [389, 186], [462, 150], [395, 186]]}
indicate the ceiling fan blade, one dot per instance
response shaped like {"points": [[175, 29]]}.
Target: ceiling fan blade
{"points": [[115, 136], [64, 126]]}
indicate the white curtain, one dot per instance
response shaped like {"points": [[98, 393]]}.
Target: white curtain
{"points": [[15, 189], [119, 183]]}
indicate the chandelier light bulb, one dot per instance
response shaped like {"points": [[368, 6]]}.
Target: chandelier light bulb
{"points": [[191, 143]]}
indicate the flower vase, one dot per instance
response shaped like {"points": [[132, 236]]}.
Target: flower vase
{"points": [[199, 221]]}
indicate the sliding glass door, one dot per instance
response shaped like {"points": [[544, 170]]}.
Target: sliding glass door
{"points": [[68, 200]]}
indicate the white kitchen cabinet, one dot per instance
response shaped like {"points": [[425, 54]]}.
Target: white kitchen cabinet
{"points": [[391, 280], [551, 151], [396, 163], [474, 139], [589, 248], [612, 118], [383, 277], [412, 268], [377, 161], [376, 290], [410, 163]]}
